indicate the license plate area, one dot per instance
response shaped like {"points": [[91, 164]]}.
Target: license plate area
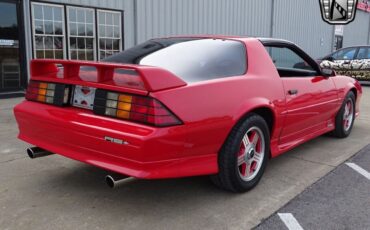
{"points": [[83, 97]]}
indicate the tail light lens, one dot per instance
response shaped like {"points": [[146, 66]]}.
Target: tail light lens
{"points": [[50, 93], [128, 78], [139, 109], [135, 108]]}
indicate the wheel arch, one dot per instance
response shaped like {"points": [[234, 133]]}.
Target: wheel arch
{"points": [[354, 91], [266, 113]]}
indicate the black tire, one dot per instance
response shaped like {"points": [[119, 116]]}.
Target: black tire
{"points": [[229, 177], [340, 131]]}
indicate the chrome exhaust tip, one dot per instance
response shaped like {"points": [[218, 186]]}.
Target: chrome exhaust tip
{"points": [[36, 152], [116, 182]]}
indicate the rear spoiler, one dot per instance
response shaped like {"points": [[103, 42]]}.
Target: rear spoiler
{"points": [[127, 77]]}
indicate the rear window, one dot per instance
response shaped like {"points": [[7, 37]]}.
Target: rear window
{"points": [[192, 60]]}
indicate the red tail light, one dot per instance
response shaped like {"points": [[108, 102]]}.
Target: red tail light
{"points": [[50, 93], [135, 108]]}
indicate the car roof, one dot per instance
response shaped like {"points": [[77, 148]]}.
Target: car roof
{"points": [[264, 40], [349, 47], [211, 36], [358, 46], [275, 40]]}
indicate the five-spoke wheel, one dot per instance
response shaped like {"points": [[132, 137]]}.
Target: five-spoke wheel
{"points": [[348, 115], [251, 153], [243, 157], [345, 117]]}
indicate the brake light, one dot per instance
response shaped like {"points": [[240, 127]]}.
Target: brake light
{"points": [[128, 78], [134, 108], [50, 93]]}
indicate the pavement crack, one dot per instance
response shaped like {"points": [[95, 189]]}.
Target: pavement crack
{"points": [[315, 162], [7, 161]]}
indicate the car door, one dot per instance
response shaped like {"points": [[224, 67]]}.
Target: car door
{"points": [[360, 66], [345, 56], [343, 60], [311, 99]]}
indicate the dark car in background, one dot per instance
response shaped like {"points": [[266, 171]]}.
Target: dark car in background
{"points": [[350, 61]]}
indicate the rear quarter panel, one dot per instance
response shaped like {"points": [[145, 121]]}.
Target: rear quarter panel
{"points": [[210, 109]]}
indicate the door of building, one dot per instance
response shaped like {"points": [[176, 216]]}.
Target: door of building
{"points": [[11, 70], [338, 42]]}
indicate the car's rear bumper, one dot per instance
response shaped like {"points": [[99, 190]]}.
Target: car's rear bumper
{"points": [[147, 152]]}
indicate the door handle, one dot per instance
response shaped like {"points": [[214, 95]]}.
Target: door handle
{"points": [[292, 91]]}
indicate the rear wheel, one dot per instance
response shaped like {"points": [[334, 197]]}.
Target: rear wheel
{"points": [[243, 157], [345, 117]]}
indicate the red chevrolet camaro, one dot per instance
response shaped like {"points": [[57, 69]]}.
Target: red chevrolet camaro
{"points": [[186, 106]]}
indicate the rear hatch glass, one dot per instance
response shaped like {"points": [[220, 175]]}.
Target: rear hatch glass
{"points": [[192, 60]]}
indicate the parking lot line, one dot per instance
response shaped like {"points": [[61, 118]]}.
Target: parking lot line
{"points": [[359, 170], [290, 221]]}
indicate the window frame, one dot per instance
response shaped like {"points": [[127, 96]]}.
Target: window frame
{"points": [[33, 29], [66, 52], [98, 31], [94, 37], [358, 51], [347, 48], [294, 48]]}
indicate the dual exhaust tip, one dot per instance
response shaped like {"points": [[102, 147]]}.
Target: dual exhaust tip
{"points": [[111, 181], [36, 152]]}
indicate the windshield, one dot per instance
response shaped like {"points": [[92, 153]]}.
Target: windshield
{"points": [[190, 59]]}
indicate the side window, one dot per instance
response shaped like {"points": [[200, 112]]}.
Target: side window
{"points": [[363, 53], [345, 54], [289, 63], [286, 58]]}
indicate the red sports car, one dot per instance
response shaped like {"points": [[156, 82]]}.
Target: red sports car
{"points": [[186, 106]]}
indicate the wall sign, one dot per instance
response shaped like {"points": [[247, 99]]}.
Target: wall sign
{"points": [[339, 30], [6, 42]]}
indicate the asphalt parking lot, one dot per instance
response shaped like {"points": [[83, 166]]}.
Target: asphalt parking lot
{"points": [[57, 193], [340, 200]]}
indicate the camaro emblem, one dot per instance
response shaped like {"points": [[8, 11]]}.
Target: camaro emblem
{"points": [[338, 11]]}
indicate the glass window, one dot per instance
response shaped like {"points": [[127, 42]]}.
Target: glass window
{"points": [[110, 34], [10, 71], [285, 58], [345, 54], [363, 53], [48, 31], [49, 36], [81, 33], [191, 59]]}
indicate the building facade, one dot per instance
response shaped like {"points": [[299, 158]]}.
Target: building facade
{"points": [[93, 29]]}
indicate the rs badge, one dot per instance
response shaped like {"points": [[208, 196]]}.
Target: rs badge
{"points": [[338, 11], [115, 140]]}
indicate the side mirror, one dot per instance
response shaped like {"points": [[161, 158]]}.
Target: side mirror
{"points": [[326, 72]]}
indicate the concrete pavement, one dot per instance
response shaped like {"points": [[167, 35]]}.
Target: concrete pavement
{"points": [[57, 193]]}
